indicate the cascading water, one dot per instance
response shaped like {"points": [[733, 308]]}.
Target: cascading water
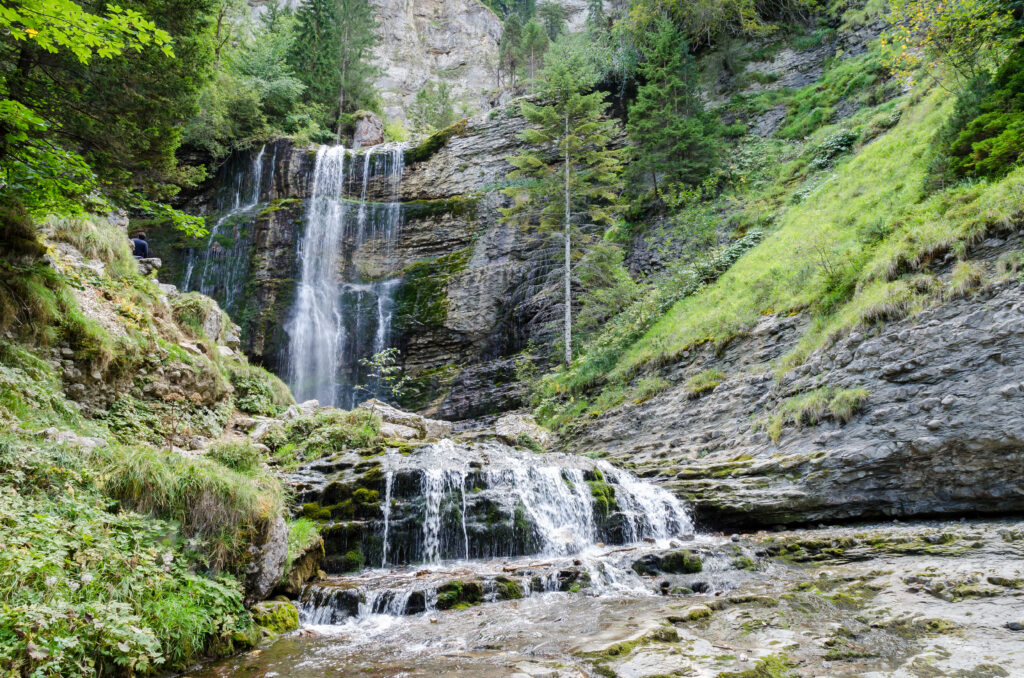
{"points": [[220, 267], [338, 318]]}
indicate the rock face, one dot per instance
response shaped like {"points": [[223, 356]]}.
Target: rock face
{"points": [[471, 289], [266, 566], [304, 568], [941, 431], [422, 41]]}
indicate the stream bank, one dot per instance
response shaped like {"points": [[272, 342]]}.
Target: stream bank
{"points": [[887, 599]]}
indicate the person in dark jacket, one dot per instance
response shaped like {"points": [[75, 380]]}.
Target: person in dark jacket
{"points": [[140, 246]]}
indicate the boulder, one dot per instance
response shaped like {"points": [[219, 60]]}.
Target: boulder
{"points": [[369, 130], [512, 428], [73, 439], [305, 567], [304, 409], [276, 617], [147, 266], [426, 428], [267, 560], [389, 430]]}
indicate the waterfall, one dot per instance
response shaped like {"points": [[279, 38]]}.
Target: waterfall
{"points": [[651, 512], [389, 481], [219, 268], [437, 484], [338, 318]]}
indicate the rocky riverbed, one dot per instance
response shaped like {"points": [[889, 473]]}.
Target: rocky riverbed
{"points": [[917, 600]]}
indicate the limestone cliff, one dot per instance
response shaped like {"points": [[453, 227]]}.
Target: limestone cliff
{"points": [[468, 297], [940, 429], [432, 40]]}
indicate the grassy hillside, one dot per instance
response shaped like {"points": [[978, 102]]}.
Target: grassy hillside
{"points": [[127, 555], [845, 229]]}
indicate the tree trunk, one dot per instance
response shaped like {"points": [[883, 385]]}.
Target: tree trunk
{"points": [[341, 103], [568, 262]]}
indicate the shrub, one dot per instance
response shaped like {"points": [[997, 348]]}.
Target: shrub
{"points": [[96, 238], [238, 454], [222, 509], [259, 392], [330, 431], [812, 407], [92, 591]]}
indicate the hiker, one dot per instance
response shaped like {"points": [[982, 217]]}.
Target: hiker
{"points": [[140, 246]]}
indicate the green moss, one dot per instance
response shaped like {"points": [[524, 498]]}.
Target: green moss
{"points": [[744, 563], [434, 143], [772, 666], [278, 205], [508, 589], [459, 595], [457, 206], [604, 497], [354, 560], [704, 382], [276, 617], [681, 562], [422, 300]]}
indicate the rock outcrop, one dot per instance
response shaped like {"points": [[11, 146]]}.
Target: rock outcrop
{"points": [[941, 430], [423, 41], [369, 130], [472, 290]]}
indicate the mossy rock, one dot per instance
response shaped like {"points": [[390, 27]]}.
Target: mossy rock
{"points": [[459, 595], [276, 617], [508, 589], [434, 143], [698, 612]]}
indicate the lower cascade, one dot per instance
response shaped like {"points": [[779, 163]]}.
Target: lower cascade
{"points": [[454, 523]]}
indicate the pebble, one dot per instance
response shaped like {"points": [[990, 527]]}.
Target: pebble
{"points": [[734, 537]]}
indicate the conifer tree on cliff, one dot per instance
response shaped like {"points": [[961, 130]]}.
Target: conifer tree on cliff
{"points": [[333, 44], [667, 121], [567, 172]]}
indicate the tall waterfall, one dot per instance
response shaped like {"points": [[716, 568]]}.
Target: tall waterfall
{"points": [[338, 318], [219, 268]]}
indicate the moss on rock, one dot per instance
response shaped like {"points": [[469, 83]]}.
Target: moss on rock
{"points": [[276, 617]]}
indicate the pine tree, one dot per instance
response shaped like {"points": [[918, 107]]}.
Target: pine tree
{"points": [[510, 48], [356, 32], [552, 15], [334, 40], [667, 121], [315, 56], [567, 171], [534, 44]]}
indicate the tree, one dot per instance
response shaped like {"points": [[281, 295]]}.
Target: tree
{"points": [[967, 37], [315, 55], [667, 121], [356, 32], [534, 44], [510, 48], [552, 15], [433, 108], [568, 170], [91, 104]]}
